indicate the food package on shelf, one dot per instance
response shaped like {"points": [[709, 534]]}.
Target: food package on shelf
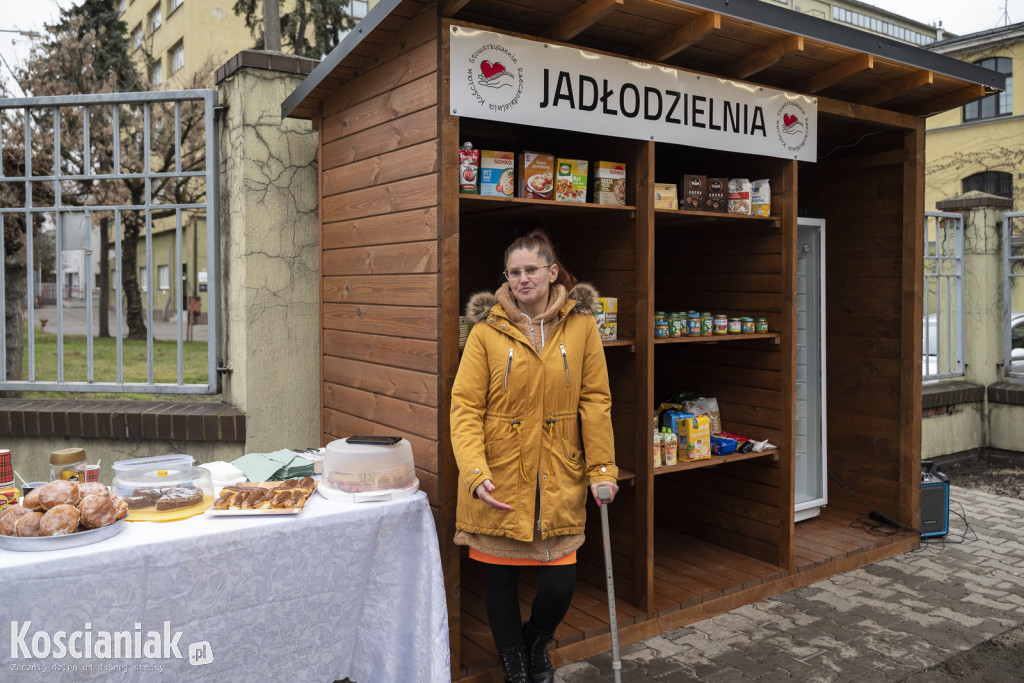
{"points": [[609, 183], [571, 181], [608, 318], [739, 196], [469, 169], [497, 173], [761, 198], [695, 192], [666, 196], [536, 175], [718, 195], [697, 431], [705, 406]]}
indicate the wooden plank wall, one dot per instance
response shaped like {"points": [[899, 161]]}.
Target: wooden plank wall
{"points": [[380, 262], [861, 198]]}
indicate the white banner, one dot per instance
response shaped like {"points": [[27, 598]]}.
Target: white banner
{"points": [[502, 78]]}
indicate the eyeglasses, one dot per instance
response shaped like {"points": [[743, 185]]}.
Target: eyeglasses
{"points": [[516, 273]]}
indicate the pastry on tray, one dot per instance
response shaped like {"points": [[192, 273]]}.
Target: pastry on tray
{"points": [[291, 494]]}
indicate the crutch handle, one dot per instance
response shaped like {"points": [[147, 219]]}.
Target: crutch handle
{"points": [[603, 493]]}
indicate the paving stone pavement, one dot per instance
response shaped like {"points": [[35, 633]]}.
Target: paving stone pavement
{"points": [[946, 611]]}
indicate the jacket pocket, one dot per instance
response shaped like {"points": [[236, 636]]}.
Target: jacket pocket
{"points": [[502, 456], [571, 486]]}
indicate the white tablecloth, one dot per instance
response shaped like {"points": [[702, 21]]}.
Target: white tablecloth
{"points": [[338, 590]]}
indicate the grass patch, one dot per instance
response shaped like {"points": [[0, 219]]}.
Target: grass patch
{"points": [[104, 363]]}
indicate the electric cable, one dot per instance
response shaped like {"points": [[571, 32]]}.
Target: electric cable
{"points": [[882, 517]]}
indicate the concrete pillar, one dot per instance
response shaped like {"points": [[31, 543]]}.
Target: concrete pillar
{"points": [[270, 253]]}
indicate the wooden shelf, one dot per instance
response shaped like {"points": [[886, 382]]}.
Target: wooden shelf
{"points": [[680, 217], [716, 460], [775, 336], [477, 205], [620, 342]]}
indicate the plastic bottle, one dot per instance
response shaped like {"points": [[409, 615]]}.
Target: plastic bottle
{"points": [[657, 449]]}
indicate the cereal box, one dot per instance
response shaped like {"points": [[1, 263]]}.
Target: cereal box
{"points": [[695, 190], [665, 196], [718, 195], [536, 175], [497, 173], [610, 183], [608, 318], [697, 432], [571, 181]]}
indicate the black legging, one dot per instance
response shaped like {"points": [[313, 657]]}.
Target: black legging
{"points": [[554, 593]]}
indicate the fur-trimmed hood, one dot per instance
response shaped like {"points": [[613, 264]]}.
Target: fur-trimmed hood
{"points": [[585, 295]]}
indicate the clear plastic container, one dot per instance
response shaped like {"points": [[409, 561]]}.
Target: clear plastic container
{"points": [[164, 494], [368, 468], [174, 461]]}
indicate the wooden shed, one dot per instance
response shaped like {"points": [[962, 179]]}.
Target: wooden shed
{"points": [[402, 250]]}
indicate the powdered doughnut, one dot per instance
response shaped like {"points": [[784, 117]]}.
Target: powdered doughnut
{"points": [[8, 518], [59, 492], [59, 520], [31, 500], [28, 524], [92, 487], [97, 510]]}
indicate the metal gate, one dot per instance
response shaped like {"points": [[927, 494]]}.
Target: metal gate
{"points": [[942, 347], [1013, 274], [139, 169]]}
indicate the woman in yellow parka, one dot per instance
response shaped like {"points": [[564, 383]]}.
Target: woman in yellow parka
{"points": [[531, 429]]}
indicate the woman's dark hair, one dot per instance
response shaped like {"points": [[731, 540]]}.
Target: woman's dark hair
{"points": [[540, 242]]}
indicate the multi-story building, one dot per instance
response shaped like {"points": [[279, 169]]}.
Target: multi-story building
{"points": [[867, 18], [179, 44], [980, 146]]}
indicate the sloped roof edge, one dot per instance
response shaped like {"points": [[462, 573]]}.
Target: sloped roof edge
{"points": [[368, 23]]}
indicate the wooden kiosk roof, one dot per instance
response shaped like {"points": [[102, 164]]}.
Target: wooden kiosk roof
{"points": [[738, 39]]}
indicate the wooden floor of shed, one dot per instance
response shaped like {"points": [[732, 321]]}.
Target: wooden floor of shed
{"points": [[694, 580]]}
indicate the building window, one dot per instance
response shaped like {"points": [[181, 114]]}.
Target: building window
{"points": [[991, 182], [358, 8], [143, 280], [845, 16], [122, 5], [163, 275], [156, 19], [177, 58], [137, 37], [175, 4], [156, 73], [1000, 104]]}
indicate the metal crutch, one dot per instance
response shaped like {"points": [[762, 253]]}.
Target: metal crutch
{"points": [[603, 494]]}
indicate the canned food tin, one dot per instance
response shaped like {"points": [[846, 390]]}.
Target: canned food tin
{"points": [[693, 324], [735, 326], [721, 324], [761, 325], [747, 325]]}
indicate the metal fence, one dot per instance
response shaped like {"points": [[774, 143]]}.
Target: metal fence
{"points": [[1013, 312], [943, 325], [148, 141]]}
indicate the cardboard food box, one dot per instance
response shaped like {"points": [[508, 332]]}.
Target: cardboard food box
{"points": [[608, 318], [536, 175], [497, 173], [571, 181], [610, 183], [695, 191], [718, 195], [697, 432], [665, 196]]}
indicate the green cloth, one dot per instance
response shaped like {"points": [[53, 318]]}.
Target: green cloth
{"points": [[276, 466]]}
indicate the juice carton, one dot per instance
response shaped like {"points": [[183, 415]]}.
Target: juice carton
{"points": [[571, 181], [497, 173], [610, 183], [469, 169], [608, 318], [536, 175], [697, 431]]}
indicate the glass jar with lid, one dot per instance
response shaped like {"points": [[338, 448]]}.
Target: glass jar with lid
{"points": [[64, 463]]}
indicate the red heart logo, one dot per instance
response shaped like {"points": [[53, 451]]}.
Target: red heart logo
{"points": [[788, 119], [489, 69]]}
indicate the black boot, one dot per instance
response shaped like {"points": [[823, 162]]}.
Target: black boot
{"points": [[513, 663], [538, 661]]}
